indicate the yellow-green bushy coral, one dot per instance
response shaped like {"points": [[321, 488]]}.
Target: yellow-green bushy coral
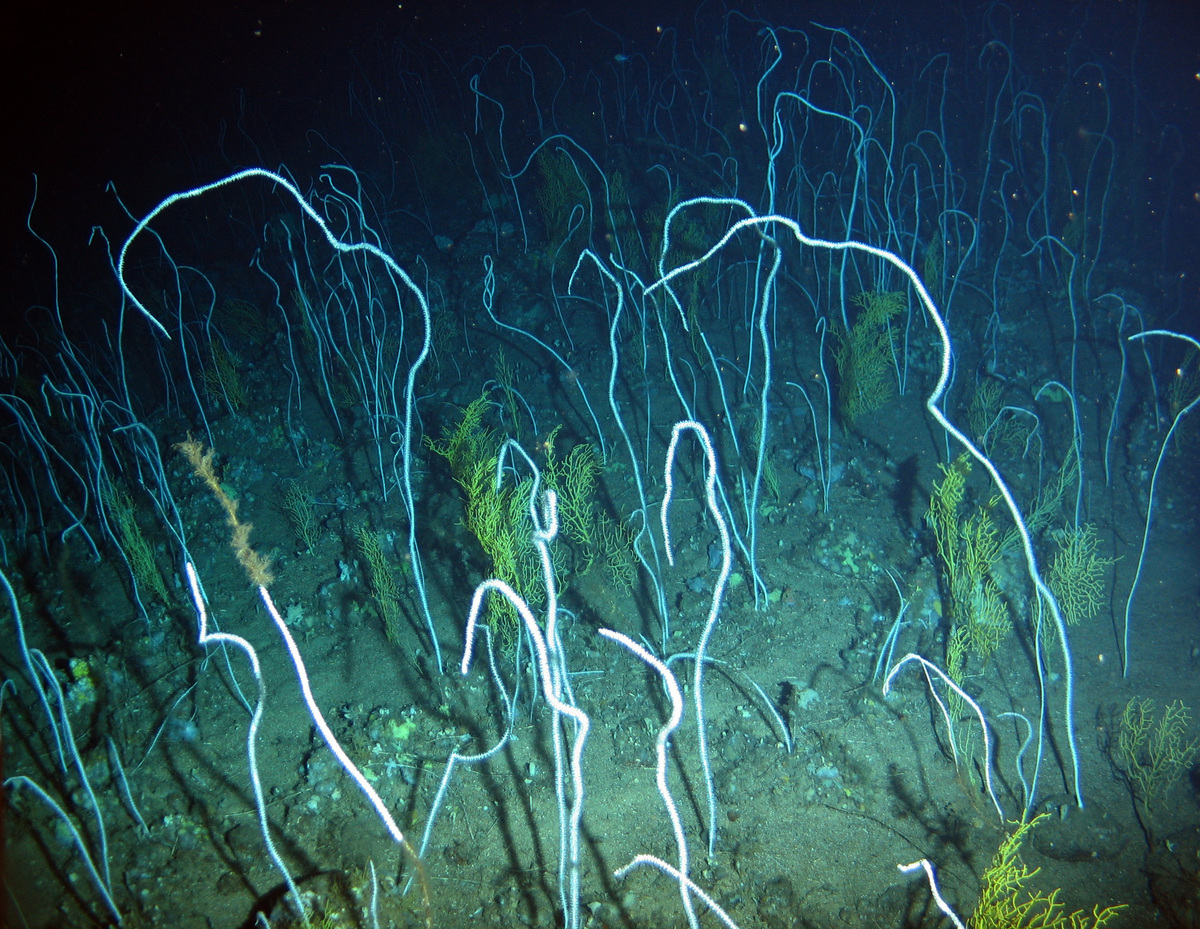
{"points": [[574, 480], [968, 549], [864, 355], [383, 584], [1153, 751], [1007, 902], [617, 539], [1076, 575], [584, 524], [561, 194], [221, 378], [497, 515], [468, 442], [137, 548], [497, 512], [298, 505], [506, 377]]}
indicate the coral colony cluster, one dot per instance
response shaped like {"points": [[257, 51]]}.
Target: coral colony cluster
{"points": [[736, 475]]}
